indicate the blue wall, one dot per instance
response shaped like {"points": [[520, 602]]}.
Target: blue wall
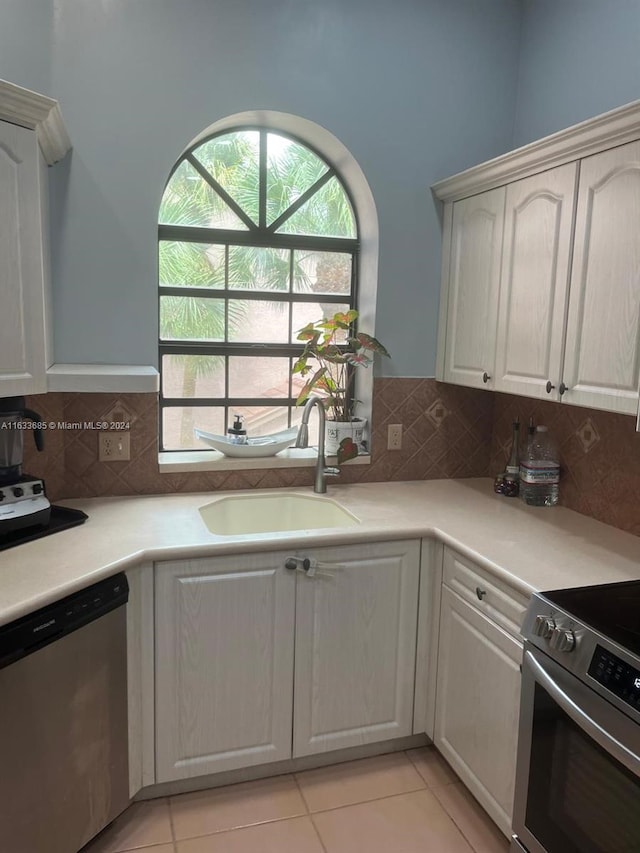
{"points": [[578, 58], [26, 44], [416, 89]]}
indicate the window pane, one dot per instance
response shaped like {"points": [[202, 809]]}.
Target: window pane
{"points": [[291, 170], [258, 377], [189, 200], [260, 322], [311, 312], [191, 319], [179, 422], [262, 420], [322, 272], [191, 264], [193, 376], [327, 213], [252, 268], [233, 160]]}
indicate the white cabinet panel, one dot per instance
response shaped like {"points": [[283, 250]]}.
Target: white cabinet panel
{"points": [[477, 704], [534, 283], [23, 277], [473, 282], [355, 647], [224, 664], [602, 361]]}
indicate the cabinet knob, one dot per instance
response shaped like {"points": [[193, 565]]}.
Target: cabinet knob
{"points": [[549, 386], [293, 563], [562, 388], [485, 377], [480, 593]]}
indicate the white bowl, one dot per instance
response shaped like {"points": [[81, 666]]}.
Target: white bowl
{"points": [[264, 445]]}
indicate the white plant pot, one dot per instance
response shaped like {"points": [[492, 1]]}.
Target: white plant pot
{"points": [[336, 431]]}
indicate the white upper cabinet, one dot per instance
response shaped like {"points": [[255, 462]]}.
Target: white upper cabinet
{"points": [[23, 330], [566, 322], [31, 135], [534, 282], [602, 357], [473, 254]]}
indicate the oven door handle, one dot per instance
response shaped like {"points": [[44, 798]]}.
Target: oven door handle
{"points": [[610, 744]]}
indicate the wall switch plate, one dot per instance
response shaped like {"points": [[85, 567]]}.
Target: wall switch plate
{"points": [[394, 437], [113, 446]]}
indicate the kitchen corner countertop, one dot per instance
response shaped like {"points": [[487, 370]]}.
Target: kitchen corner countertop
{"points": [[533, 548]]}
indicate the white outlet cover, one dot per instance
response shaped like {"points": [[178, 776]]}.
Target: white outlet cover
{"points": [[114, 446]]}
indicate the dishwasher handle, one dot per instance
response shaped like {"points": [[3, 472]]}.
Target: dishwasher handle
{"points": [[31, 633]]}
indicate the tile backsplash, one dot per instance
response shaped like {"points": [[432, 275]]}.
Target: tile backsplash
{"points": [[448, 431], [599, 456]]}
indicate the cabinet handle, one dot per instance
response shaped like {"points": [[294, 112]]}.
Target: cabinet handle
{"points": [[549, 386], [293, 563], [485, 377], [480, 593], [563, 388]]}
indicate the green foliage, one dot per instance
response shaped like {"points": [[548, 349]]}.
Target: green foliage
{"points": [[233, 162], [336, 353]]}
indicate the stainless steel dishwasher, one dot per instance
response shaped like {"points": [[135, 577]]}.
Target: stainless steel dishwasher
{"points": [[63, 721]]}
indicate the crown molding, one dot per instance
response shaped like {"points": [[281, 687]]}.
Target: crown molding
{"points": [[608, 130], [36, 112]]}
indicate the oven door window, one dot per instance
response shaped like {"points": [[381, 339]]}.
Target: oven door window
{"points": [[580, 799]]}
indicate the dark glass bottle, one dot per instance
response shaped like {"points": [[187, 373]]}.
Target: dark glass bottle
{"points": [[512, 474]]}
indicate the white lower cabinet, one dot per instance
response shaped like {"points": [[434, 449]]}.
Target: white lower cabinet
{"points": [[227, 629], [224, 664], [356, 647], [478, 697]]}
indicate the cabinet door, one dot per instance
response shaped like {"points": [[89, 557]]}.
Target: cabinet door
{"points": [[538, 228], [474, 278], [355, 647], [22, 274], [224, 664], [477, 704], [602, 360]]}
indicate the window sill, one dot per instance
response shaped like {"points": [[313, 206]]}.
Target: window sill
{"points": [[177, 462]]}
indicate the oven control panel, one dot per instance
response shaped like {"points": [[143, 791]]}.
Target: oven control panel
{"points": [[616, 675], [560, 637]]}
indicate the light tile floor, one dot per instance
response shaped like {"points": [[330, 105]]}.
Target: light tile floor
{"points": [[406, 802]]}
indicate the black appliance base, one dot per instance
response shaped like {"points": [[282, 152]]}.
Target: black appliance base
{"points": [[61, 518]]}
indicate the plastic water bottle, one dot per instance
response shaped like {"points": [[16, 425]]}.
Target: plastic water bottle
{"points": [[540, 470]]}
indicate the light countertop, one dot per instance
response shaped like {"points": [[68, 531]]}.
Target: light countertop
{"points": [[533, 548]]}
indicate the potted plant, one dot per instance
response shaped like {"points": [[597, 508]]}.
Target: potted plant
{"points": [[335, 351]]}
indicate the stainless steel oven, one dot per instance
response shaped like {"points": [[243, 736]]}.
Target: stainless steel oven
{"points": [[578, 764]]}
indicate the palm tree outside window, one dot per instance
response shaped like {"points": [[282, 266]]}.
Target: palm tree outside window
{"points": [[257, 237]]}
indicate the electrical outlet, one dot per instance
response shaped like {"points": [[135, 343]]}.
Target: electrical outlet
{"points": [[113, 446], [394, 437]]}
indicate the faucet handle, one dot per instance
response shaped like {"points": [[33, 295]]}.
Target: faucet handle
{"points": [[330, 471]]}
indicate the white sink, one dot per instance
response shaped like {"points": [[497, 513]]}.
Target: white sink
{"points": [[238, 514]]}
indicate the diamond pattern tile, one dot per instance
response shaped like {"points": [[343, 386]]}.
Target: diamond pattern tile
{"points": [[588, 435], [599, 458], [449, 431]]}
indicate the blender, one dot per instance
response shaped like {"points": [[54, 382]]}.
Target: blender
{"points": [[22, 497]]}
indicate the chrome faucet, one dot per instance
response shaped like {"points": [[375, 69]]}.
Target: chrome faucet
{"points": [[322, 470]]}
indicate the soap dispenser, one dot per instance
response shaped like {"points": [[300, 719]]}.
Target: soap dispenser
{"points": [[236, 433]]}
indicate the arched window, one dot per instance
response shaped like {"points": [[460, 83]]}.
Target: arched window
{"points": [[257, 237]]}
